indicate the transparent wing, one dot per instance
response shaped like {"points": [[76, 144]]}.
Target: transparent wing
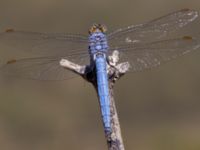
{"points": [[43, 44], [48, 50], [153, 54], [154, 30], [41, 68]]}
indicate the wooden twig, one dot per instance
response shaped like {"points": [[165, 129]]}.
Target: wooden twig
{"points": [[115, 71]]}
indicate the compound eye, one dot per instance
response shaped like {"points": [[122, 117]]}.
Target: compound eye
{"points": [[103, 28], [92, 29]]}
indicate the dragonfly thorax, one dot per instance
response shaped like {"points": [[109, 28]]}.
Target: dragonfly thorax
{"points": [[97, 43]]}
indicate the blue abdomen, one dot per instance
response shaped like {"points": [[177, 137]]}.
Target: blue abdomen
{"points": [[103, 90]]}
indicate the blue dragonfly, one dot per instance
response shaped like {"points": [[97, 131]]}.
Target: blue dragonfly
{"points": [[143, 46]]}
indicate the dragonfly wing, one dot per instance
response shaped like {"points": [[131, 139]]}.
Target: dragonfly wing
{"points": [[154, 30], [43, 44], [41, 68], [47, 50], [153, 54]]}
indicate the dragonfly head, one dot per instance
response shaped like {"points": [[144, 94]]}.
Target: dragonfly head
{"points": [[97, 28]]}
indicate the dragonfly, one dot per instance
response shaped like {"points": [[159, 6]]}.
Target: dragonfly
{"points": [[144, 46]]}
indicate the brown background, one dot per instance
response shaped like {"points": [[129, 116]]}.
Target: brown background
{"points": [[159, 109]]}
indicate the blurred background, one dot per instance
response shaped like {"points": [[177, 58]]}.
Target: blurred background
{"points": [[159, 109]]}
